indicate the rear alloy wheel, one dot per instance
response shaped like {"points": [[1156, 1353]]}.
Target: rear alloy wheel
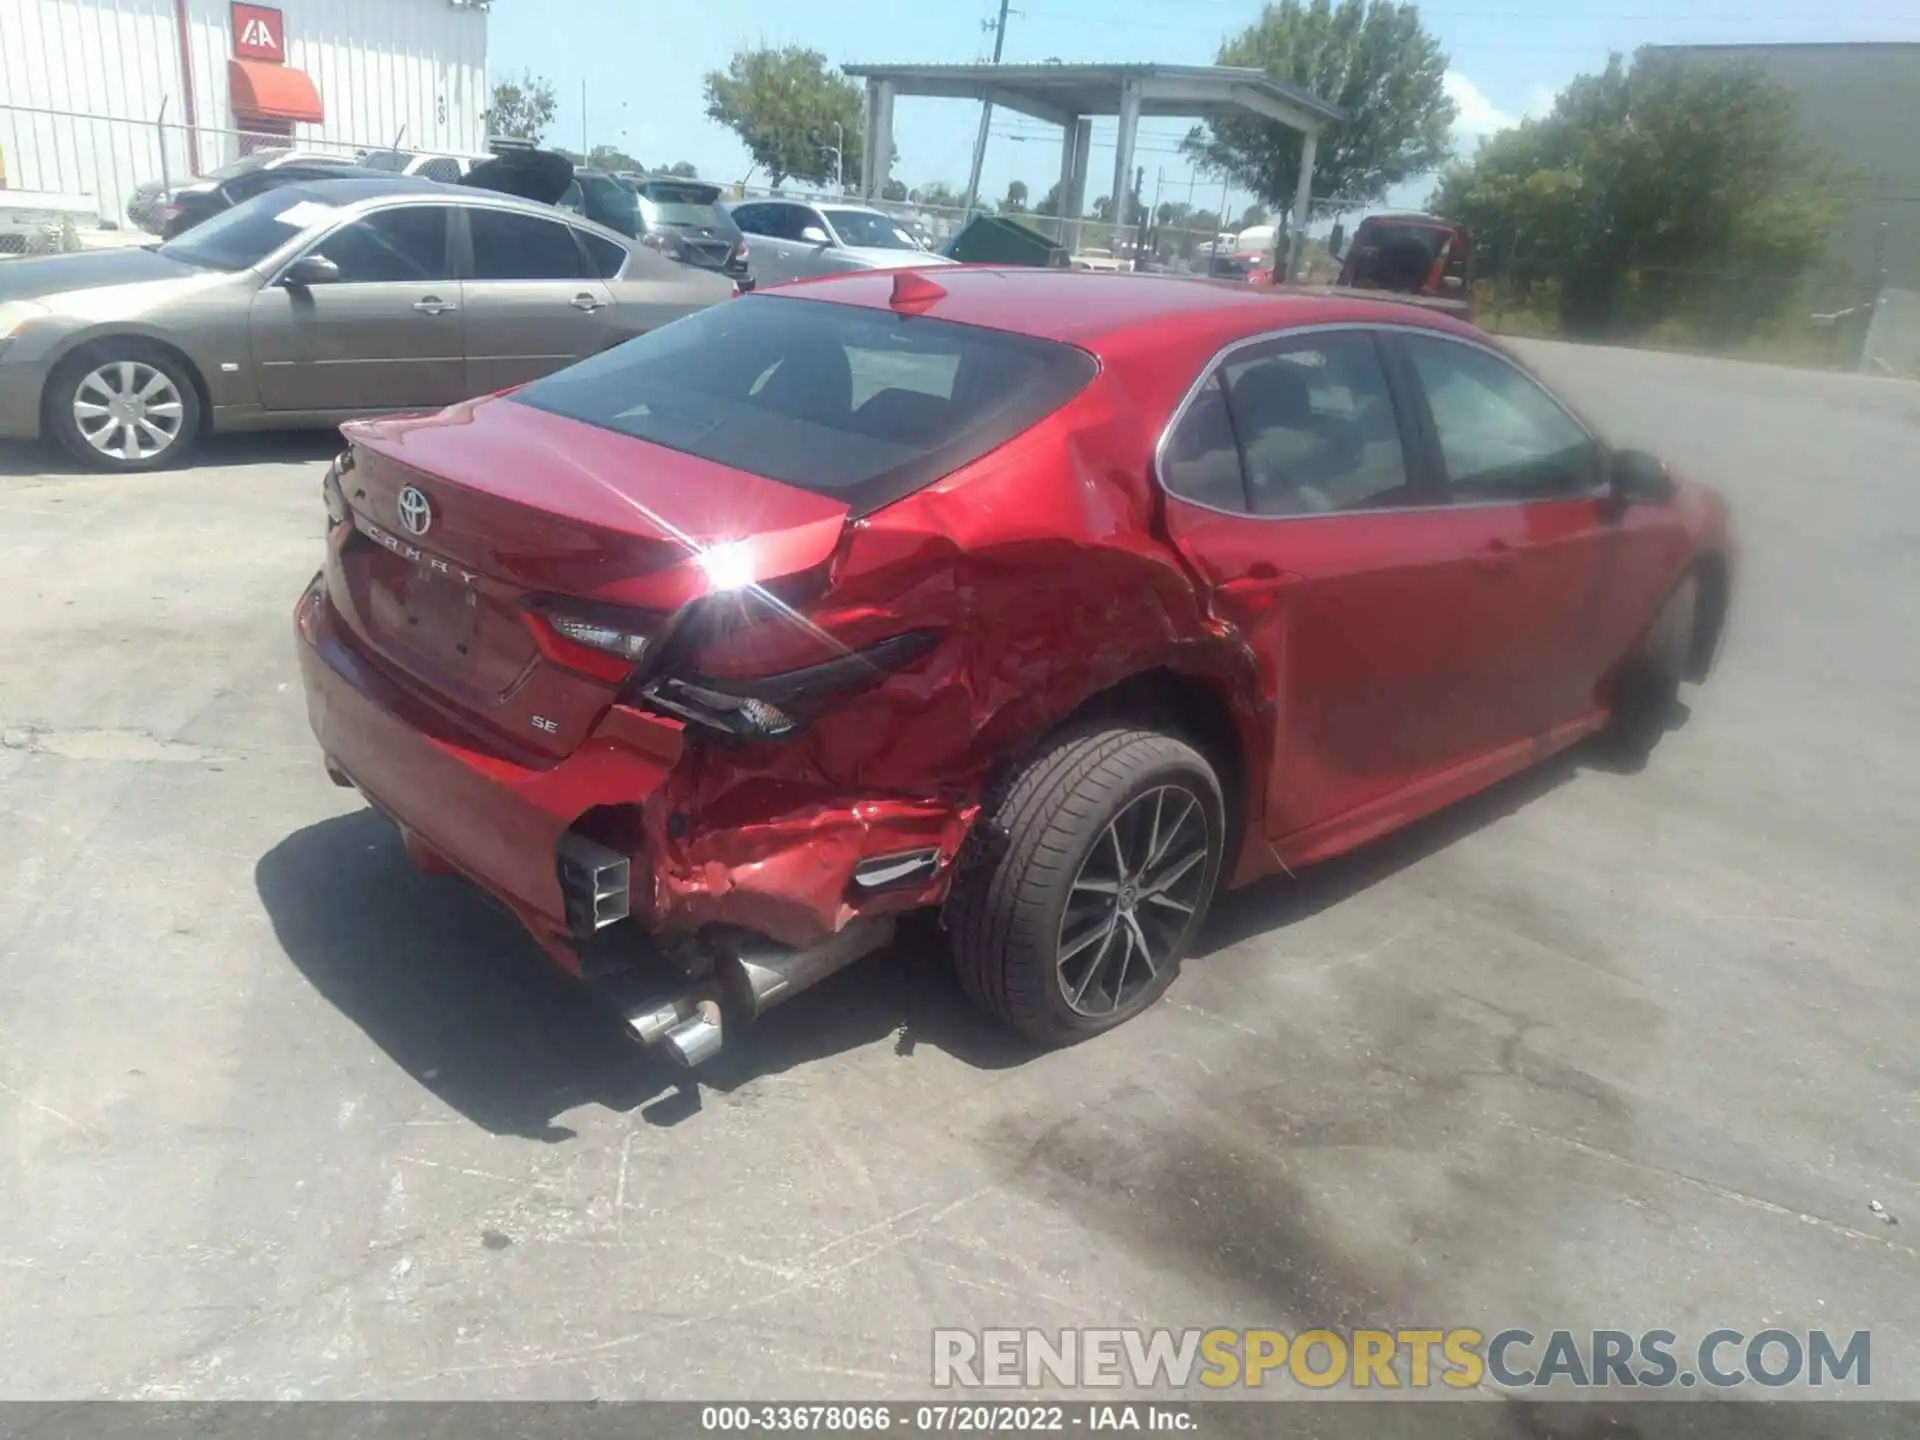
{"points": [[127, 407], [1648, 694], [1082, 890]]}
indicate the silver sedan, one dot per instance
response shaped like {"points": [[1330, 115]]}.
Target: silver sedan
{"points": [[315, 303]]}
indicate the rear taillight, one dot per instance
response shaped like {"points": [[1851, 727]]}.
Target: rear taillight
{"points": [[659, 240], [599, 643], [773, 707], [738, 255]]}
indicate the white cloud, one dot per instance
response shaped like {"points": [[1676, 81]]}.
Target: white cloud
{"points": [[1478, 115]]}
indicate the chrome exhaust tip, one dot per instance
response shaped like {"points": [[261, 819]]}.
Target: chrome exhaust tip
{"points": [[696, 1039]]}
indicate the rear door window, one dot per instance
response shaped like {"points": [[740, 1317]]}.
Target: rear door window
{"points": [[838, 399], [1317, 427], [510, 246], [605, 256]]}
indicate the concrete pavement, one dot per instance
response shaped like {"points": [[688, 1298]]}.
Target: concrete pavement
{"points": [[281, 1118]]}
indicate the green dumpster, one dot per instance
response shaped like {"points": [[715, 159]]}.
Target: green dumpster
{"points": [[996, 240]]}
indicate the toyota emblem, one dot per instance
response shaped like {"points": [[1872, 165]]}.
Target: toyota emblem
{"points": [[415, 513]]}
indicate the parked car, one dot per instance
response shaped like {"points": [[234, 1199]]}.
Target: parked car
{"points": [[1417, 255], [684, 220], [192, 207], [1054, 601], [313, 303], [156, 204], [449, 169], [795, 239]]}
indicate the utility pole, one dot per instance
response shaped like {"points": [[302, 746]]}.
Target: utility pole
{"points": [[999, 28]]}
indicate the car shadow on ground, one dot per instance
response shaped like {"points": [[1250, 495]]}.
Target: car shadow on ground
{"points": [[44, 459], [460, 997]]}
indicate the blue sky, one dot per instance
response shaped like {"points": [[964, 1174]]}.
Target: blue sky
{"points": [[641, 65]]}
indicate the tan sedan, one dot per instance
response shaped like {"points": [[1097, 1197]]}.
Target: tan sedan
{"points": [[315, 303]]}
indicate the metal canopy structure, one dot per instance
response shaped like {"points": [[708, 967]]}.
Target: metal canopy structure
{"points": [[1070, 95]]}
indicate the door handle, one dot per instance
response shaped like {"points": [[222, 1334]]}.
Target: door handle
{"points": [[586, 302], [434, 305]]}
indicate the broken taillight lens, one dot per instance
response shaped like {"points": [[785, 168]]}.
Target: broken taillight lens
{"points": [[773, 707], [597, 643]]}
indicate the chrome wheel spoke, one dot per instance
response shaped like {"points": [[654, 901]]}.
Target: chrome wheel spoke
{"points": [[1173, 873], [1132, 903], [1096, 966], [1139, 938], [156, 382], [164, 409]]}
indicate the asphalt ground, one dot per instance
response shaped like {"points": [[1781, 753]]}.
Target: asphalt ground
{"points": [[281, 1118]]}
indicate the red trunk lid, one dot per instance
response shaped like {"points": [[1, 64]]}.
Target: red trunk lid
{"points": [[522, 505]]}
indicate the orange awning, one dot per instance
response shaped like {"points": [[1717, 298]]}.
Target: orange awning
{"points": [[263, 91]]}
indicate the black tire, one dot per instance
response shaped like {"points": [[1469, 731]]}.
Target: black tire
{"points": [[174, 414], [1028, 856], [1648, 693]]}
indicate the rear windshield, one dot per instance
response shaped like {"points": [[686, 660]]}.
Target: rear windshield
{"points": [[864, 405], [676, 202]]}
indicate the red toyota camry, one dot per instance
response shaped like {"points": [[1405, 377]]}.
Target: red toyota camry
{"points": [[1050, 600]]}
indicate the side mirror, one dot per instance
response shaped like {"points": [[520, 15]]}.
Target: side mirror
{"points": [[311, 269], [1636, 475], [814, 235]]}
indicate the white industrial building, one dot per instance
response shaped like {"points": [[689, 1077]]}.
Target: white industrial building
{"points": [[97, 96]]}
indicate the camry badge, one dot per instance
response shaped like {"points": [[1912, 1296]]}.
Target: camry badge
{"points": [[415, 513]]}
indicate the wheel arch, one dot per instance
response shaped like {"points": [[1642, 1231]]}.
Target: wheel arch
{"points": [[1198, 709]]}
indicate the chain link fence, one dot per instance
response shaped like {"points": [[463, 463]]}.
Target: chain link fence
{"points": [[103, 178]]}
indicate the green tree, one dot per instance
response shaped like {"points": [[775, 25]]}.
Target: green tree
{"points": [[521, 109], [894, 190], [1373, 59], [1016, 200], [1641, 178], [1049, 202], [783, 104], [684, 169], [1254, 214], [612, 157], [940, 196]]}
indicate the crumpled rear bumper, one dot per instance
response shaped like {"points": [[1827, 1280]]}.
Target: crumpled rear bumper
{"points": [[783, 869]]}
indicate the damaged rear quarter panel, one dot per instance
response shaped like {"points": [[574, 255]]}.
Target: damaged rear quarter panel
{"points": [[1039, 567]]}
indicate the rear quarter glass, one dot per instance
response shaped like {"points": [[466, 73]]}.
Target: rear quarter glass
{"points": [[860, 404]]}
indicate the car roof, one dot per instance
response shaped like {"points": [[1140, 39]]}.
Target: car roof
{"points": [[380, 186], [372, 186], [1100, 312]]}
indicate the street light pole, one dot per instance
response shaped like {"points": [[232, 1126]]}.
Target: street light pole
{"points": [[839, 159]]}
